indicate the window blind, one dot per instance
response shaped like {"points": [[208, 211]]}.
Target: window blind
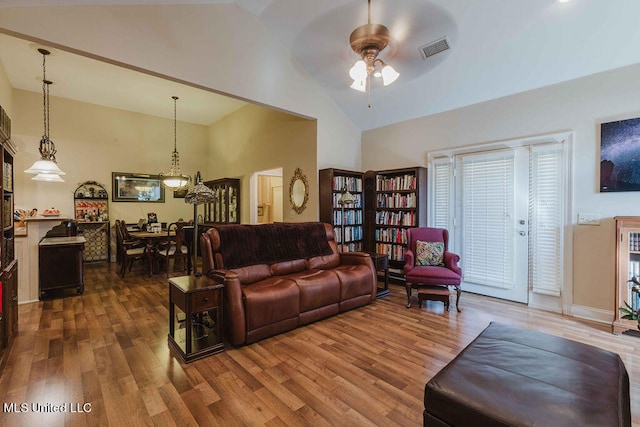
{"points": [[545, 218], [488, 218], [442, 195]]}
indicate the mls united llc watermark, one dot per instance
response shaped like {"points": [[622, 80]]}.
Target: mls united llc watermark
{"points": [[46, 407]]}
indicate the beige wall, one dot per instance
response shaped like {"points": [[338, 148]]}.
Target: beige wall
{"points": [[255, 139], [94, 141], [580, 105], [6, 98]]}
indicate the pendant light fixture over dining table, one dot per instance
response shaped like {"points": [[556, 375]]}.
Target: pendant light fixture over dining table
{"points": [[46, 169], [174, 179]]}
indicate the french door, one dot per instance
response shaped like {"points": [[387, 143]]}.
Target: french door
{"points": [[504, 208]]}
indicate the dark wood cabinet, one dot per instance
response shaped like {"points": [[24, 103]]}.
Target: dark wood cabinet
{"points": [[10, 303], [60, 264], [9, 270], [332, 184], [226, 208]]}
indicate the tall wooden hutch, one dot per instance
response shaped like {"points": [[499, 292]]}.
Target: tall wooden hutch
{"points": [[9, 274], [226, 208]]}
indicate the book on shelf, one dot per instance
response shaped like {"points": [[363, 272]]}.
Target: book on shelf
{"points": [[351, 183], [396, 183]]}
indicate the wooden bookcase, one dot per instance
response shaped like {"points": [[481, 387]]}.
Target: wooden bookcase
{"points": [[627, 266], [395, 201], [9, 275], [332, 183], [226, 208]]}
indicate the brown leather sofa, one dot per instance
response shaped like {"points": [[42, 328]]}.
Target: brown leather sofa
{"points": [[281, 276], [510, 376]]}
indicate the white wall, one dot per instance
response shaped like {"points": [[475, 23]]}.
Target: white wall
{"points": [[200, 44], [580, 105]]}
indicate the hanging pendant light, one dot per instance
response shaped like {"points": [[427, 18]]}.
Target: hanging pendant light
{"points": [[46, 169], [174, 180]]}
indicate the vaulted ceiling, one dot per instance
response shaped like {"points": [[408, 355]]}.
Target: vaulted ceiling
{"points": [[497, 48]]}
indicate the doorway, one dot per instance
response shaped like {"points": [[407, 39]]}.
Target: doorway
{"points": [[269, 193], [505, 205]]}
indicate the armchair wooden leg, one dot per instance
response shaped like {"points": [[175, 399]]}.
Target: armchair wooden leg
{"points": [[458, 292], [408, 286]]}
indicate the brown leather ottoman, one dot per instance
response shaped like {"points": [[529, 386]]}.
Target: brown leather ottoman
{"points": [[510, 376]]}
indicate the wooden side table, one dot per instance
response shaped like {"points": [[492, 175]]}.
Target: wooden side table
{"points": [[200, 333], [381, 263]]}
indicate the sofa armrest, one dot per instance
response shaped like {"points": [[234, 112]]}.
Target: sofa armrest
{"points": [[408, 260], [363, 258], [235, 322], [451, 262], [354, 258]]}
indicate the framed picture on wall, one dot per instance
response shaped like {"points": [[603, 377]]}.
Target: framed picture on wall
{"points": [[181, 193], [620, 155], [135, 187]]}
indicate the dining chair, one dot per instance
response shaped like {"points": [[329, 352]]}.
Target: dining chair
{"points": [[176, 247], [128, 249]]}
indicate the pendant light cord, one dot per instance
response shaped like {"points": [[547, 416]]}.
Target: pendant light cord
{"points": [[175, 125], [369, 18], [45, 96]]}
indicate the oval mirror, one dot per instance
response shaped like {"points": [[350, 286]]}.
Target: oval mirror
{"points": [[298, 191]]}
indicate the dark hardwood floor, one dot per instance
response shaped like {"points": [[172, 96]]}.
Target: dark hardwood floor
{"points": [[108, 348]]}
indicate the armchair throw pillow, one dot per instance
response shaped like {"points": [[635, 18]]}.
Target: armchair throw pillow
{"points": [[429, 253]]}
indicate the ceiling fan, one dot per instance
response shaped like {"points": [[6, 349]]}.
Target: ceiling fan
{"points": [[368, 41]]}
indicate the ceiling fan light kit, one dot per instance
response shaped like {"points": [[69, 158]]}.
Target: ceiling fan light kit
{"points": [[368, 41]]}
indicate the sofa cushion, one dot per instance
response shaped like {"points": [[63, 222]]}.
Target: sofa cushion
{"points": [[252, 273], [355, 280], [317, 288], [288, 267], [325, 262], [270, 300]]}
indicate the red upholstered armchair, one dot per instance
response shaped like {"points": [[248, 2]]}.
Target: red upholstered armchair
{"points": [[418, 276]]}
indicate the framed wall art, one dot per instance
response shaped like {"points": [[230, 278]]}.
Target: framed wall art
{"points": [[135, 187], [620, 155]]}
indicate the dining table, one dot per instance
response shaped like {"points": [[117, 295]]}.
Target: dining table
{"points": [[153, 240]]}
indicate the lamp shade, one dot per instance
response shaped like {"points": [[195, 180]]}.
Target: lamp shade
{"points": [[389, 75], [359, 70], [199, 194], [359, 85], [174, 182], [48, 177], [45, 167], [346, 198]]}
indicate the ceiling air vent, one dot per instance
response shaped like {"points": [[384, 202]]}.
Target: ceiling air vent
{"points": [[433, 48]]}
